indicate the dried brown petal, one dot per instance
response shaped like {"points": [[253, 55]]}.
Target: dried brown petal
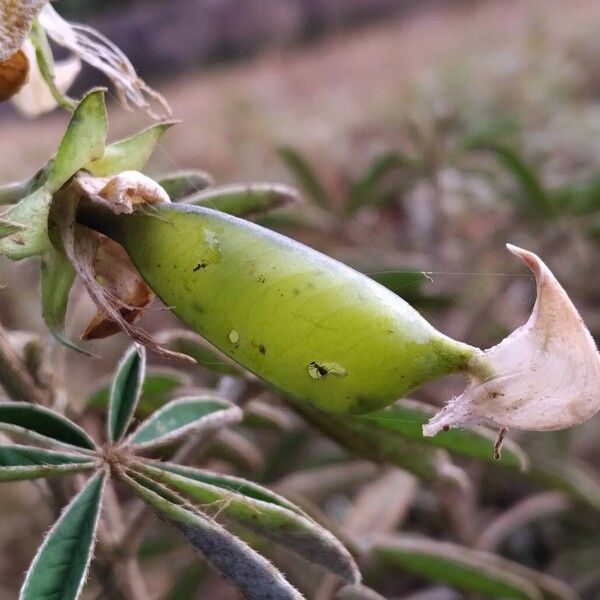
{"points": [[14, 72], [115, 272]]}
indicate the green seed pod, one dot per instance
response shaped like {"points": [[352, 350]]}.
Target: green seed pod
{"points": [[305, 323]]}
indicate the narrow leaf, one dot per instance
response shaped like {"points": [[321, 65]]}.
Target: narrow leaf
{"points": [[305, 176], [11, 193], [157, 388], [83, 140], [244, 200], [465, 569], [42, 423], [59, 569], [363, 191], [56, 279], [469, 570], [23, 462], [125, 391], [252, 574], [374, 443], [534, 199], [406, 417], [180, 417], [357, 592], [228, 482], [180, 184], [129, 154], [578, 480], [291, 529]]}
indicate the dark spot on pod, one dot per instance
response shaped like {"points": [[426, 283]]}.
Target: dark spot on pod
{"points": [[200, 265]]}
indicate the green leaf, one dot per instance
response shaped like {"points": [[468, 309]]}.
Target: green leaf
{"points": [[180, 417], [83, 140], [534, 199], [305, 176], [180, 184], [14, 192], [263, 415], [24, 462], [252, 574], [228, 482], [295, 531], [578, 480], [30, 214], [157, 388], [406, 417], [42, 423], [125, 391], [244, 200], [374, 443], [190, 343], [129, 154], [56, 279], [462, 568], [363, 191], [60, 566]]}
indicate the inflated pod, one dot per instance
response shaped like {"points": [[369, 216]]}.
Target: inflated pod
{"points": [[305, 323]]}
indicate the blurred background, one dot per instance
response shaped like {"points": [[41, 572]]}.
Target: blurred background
{"points": [[423, 135]]}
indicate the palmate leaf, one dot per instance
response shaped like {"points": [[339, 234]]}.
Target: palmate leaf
{"points": [[157, 389], [125, 392], [295, 531], [129, 154], [244, 200], [252, 574], [466, 569], [41, 423], [180, 417], [24, 462], [60, 566]]}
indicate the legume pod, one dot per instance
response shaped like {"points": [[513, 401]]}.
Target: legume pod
{"points": [[305, 323]]}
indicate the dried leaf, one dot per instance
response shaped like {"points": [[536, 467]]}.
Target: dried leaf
{"points": [[546, 374]]}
